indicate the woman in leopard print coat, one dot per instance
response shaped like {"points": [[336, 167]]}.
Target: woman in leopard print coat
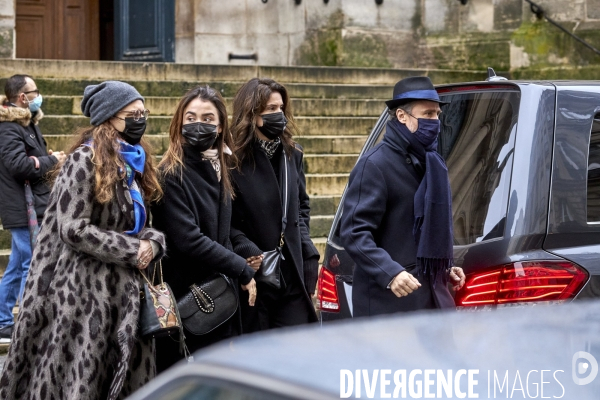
{"points": [[76, 335]]}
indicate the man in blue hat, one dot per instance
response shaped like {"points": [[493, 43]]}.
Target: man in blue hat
{"points": [[397, 219]]}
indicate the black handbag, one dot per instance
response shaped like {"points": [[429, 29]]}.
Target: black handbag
{"points": [[208, 305], [158, 310], [269, 272]]}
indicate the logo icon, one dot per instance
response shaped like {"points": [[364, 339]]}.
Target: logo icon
{"points": [[581, 367]]}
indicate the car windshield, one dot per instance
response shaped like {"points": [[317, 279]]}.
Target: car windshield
{"points": [[477, 141]]}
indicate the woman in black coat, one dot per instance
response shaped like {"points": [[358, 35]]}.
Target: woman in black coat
{"points": [[262, 128], [195, 212]]}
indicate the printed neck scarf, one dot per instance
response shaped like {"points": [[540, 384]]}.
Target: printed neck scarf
{"points": [[269, 147], [212, 155]]}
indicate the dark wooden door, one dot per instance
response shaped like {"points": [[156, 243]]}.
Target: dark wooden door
{"points": [[145, 30], [58, 29]]}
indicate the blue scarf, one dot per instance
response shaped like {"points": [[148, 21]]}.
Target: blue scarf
{"points": [[432, 229], [135, 159]]}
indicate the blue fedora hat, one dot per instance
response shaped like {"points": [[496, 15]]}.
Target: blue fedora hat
{"points": [[411, 89]]}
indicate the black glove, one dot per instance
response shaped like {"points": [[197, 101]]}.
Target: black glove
{"points": [[311, 274]]}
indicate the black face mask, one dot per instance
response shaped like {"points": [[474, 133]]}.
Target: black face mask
{"points": [[273, 125], [199, 135], [134, 130]]}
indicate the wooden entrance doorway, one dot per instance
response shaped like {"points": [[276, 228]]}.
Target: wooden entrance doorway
{"points": [[58, 29]]}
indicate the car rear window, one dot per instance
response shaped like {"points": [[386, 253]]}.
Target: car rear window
{"points": [[477, 140], [593, 178]]}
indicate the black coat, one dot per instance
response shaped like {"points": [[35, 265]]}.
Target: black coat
{"points": [[197, 223], [376, 231], [257, 212], [20, 138]]}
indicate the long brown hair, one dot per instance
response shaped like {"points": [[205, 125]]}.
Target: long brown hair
{"points": [[250, 100], [172, 162], [109, 164]]}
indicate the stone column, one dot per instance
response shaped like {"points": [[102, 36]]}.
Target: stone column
{"points": [[7, 29], [184, 31]]}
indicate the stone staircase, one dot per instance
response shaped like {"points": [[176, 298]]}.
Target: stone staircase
{"points": [[335, 109]]}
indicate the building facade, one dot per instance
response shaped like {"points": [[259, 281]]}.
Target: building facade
{"points": [[505, 34]]}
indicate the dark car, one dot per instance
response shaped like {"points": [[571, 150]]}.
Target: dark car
{"points": [[524, 166], [551, 352]]}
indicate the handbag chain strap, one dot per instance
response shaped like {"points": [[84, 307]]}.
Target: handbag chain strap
{"points": [[285, 200], [204, 301], [162, 285]]}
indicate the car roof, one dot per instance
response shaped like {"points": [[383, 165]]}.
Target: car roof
{"points": [[512, 339], [558, 82]]}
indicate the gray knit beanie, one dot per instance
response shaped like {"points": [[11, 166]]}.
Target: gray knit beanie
{"points": [[101, 102]]}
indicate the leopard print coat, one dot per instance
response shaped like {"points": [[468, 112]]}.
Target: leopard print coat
{"points": [[76, 333]]}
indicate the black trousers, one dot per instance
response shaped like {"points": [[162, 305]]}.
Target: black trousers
{"points": [[277, 308]]}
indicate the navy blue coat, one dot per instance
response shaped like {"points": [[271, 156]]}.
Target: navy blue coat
{"points": [[376, 231]]}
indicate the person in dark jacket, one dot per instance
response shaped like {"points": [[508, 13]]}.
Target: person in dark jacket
{"points": [[23, 157], [195, 212], [397, 212], [262, 128]]}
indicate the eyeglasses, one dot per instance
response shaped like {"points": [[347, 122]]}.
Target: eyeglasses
{"points": [[36, 91], [136, 114]]}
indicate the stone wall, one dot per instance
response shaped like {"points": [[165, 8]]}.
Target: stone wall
{"points": [[537, 44], [208, 31], [430, 34], [503, 34], [7, 28]]}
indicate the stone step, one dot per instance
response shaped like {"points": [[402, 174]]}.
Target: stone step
{"points": [[375, 76], [176, 89], [332, 144], [324, 205], [335, 126], [338, 107], [313, 126], [157, 72], [311, 144], [4, 346], [320, 225], [329, 163], [326, 184], [4, 254], [5, 239], [320, 244], [71, 105]]}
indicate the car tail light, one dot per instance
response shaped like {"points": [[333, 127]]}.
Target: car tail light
{"points": [[519, 282], [327, 296]]}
